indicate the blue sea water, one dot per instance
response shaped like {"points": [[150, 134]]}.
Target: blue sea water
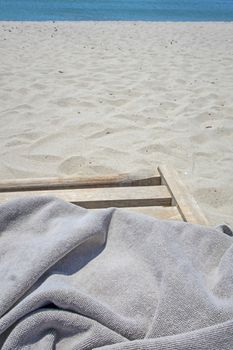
{"points": [[128, 10]]}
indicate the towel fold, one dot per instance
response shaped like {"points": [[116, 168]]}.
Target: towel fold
{"points": [[72, 278]]}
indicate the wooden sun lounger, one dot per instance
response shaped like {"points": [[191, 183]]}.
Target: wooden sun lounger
{"points": [[162, 195]]}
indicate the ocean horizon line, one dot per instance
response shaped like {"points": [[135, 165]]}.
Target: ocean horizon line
{"points": [[112, 20], [121, 10]]}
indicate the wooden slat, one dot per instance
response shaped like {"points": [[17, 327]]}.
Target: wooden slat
{"points": [[109, 197], [165, 213], [78, 182], [185, 203]]}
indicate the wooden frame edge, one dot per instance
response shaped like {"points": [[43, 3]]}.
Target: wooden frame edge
{"points": [[56, 183], [186, 204]]}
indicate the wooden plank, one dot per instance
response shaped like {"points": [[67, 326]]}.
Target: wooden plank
{"points": [[121, 180], [165, 213], [109, 197], [184, 201]]}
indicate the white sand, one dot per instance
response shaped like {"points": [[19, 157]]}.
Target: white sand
{"points": [[128, 96]]}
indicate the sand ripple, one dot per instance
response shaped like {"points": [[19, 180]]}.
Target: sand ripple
{"points": [[101, 98]]}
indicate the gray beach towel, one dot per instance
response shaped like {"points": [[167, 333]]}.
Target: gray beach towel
{"points": [[72, 278]]}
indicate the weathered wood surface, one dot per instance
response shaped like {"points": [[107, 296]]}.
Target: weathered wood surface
{"points": [[102, 198], [122, 180], [166, 213], [171, 200], [186, 204]]}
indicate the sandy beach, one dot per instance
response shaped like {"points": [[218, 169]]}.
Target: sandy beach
{"points": [[95, 98]]}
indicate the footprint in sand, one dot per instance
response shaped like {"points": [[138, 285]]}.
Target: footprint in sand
{"points": [[105, 132], [72, 165], [31, 135], [156, 147], [116, 103], [15, 143], [38, 86], [44, 158], [66, 102], [23, 91], [23, 107], [86, 104]]}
